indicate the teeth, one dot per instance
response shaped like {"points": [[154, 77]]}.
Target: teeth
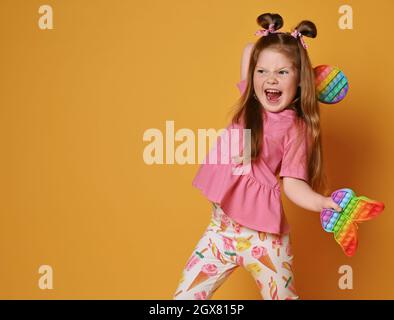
{"points": [[272, 91]]}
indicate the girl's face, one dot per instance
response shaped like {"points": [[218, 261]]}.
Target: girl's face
{"points": [[275, 80]]}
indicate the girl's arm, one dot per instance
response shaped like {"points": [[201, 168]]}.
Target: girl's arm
{"points": [[245, 60], [299, 192]]}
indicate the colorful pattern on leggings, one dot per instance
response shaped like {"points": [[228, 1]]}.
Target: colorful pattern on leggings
{"points": [[227, 245]]}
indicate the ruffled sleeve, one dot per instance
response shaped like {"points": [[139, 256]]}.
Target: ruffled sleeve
{"points": [[294, 160]]}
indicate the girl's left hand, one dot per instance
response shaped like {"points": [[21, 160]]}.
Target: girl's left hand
{"points": [[328, 203]]}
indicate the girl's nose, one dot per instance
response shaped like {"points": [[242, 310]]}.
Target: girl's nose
{"points": [[272, 79]]}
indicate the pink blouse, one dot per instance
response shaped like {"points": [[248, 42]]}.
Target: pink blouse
{"points": [[253, 199]]}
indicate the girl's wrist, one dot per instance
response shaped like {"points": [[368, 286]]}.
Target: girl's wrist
{"points": [[320, 203]]}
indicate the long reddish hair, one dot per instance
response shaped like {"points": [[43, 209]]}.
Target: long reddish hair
{"points": [[249, 111]]}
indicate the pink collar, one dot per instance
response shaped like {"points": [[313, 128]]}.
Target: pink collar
{"points": [[287, 113]]}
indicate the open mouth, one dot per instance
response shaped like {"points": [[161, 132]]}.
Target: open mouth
{"points": [[273, 95]]}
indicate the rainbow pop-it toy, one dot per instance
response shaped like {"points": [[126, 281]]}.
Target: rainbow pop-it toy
{"points": [[331, 84], [344, 224]]}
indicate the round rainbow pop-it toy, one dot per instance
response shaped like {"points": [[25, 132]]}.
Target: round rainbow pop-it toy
{"points": [[344, 224], [331, 84]]}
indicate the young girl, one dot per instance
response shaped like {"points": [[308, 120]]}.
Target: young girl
{"points": [[248, 227]]}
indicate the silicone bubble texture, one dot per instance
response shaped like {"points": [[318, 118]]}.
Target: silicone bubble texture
{"points": [[344, 223], [331, 84]]}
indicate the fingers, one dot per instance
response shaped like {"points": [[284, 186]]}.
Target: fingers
{"points": [[331, 204], [335, 206]]}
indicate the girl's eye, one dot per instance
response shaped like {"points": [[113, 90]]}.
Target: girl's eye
{"points": [[261, 71], [284, 72]]}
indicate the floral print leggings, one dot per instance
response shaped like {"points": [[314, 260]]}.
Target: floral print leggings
{"points": [[226, 245]]}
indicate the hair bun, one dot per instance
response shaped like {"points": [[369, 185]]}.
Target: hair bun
{"points": [[265, 19], [307, 28]]}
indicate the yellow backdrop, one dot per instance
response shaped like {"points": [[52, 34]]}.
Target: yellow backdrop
{"points": [[75, 101]]}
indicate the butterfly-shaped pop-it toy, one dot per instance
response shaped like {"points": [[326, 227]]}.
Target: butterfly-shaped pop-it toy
{"points": [[344, 223]]}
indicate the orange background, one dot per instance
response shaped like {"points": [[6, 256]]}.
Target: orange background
{"points": [[76, 100]]}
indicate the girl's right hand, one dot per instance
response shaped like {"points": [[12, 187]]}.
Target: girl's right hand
{"points": [[328, 203]]}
